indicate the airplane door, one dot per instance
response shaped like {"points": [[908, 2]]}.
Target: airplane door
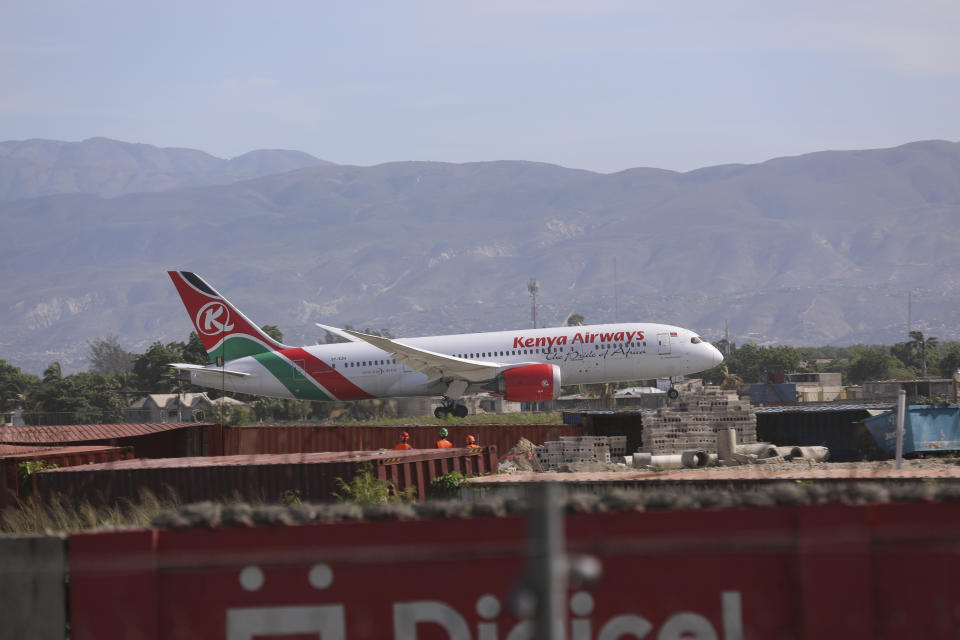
{"points": [[664, 341], [298, 382]]}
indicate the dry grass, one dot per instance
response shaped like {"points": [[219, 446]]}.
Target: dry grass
{"points": [[60, 515]]}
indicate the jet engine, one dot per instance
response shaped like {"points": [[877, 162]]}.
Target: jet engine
{"points": [[530, 383]]}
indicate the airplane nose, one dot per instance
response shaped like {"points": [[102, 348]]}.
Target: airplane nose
{"points": [[715, 355]]}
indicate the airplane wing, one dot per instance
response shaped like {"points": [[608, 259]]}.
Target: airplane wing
{"points": [[197, 367], [338, 332], [436, 366]]}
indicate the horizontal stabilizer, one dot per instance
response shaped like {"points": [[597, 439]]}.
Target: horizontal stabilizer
{"points": [[338, 332], [210, 370]]}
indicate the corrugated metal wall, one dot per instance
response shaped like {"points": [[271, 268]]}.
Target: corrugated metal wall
{"points": [[260, 478], [168, 440], [59, 456], [296, 439]]}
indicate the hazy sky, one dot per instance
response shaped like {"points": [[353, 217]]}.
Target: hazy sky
{"points": [[596, 85]]}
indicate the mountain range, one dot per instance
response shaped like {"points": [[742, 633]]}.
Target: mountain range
{"points": [[815, 249]]}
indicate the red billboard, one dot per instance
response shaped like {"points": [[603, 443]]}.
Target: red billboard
{"points": [[781, 572]]}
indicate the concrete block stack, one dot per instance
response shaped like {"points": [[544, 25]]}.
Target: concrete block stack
{"points": [[618, 447], [573, 449], [693, 422]]}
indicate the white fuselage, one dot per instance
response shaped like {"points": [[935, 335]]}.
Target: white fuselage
{"points": [[584, 355]]}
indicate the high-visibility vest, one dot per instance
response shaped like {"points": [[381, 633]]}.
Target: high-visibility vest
{"points": [[443, 443], [403, 446]]}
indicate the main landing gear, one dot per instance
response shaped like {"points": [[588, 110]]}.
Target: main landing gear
{"points": [[450, 408]]}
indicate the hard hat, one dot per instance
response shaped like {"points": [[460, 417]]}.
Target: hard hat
{"points": [[443, 432], [471, 439], [404, 435]]}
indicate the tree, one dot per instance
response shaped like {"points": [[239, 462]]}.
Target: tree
{"points": [[273, 331], [921, 344], [78, 398], [52, 373], [195, 352], [716, 375], [872, 363], [107, 357], [748, 361], [950, 361], [14, 386], [575, 320], [153, 370]]}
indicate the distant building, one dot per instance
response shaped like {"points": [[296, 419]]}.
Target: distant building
{"points": [[817, 387], [177, 407], [888, 390]]}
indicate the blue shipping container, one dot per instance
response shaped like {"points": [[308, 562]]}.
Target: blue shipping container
{"points": [[926, 428]]}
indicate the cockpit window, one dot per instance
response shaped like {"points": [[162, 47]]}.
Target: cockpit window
{"points": [[696, 340]]}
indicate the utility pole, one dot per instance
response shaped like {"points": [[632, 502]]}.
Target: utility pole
{"points": [[616, 296], [533, 287], [909, 312]]}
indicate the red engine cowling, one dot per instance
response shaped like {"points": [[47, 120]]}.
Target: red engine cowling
{"points": [[530, 383]]}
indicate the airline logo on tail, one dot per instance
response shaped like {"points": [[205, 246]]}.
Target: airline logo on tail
{"points": [[206, 320]]}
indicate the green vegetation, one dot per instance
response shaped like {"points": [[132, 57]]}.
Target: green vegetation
{"points": [[365, 488], [858, 363], [446, 486], [291, 497], [25, 471]]}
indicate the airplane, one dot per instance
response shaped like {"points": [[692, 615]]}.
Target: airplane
{"points": [[526, 365]]}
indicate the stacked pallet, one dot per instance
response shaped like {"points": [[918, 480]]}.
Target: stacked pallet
{"points": [[693, 422]]}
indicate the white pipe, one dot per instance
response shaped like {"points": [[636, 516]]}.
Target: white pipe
{"points": [[901, 414], [760, 449], [694, 458], [726, 443], [817, 454], [674, 461], [642, 459]]}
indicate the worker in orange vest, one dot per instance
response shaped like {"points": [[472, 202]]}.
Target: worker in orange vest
{"points": [[472, 443], [443, 443], [404, 443]]}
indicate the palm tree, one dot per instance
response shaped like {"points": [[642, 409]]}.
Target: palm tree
{"points": [[920, 344]]}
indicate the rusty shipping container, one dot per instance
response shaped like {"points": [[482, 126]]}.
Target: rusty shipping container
{"points": [[265, 477], [12, 456], [149, 440], [302, 439]]}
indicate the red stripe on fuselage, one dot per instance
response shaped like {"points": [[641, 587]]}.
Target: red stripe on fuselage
{"points": [[328, 377]]}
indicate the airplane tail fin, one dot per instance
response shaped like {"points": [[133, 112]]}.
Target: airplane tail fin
{"points": [[224, 331]]}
